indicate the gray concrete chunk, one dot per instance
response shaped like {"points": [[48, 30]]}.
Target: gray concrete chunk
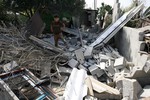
{"points": [[95, 70], [88, 52], [120, 63], [73, 63], [130, 88], [147, 67], [138, 71], [79, 55], [142, 46]]}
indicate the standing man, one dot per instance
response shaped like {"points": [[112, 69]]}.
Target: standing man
{"points": [[56, 27]]}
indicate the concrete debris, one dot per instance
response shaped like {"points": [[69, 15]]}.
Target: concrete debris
{"points": [[147, 67], [138, 71], [113, 29], [120, 63], [80, 55], [73, 63], [144, 95], [91, 68], [129, 88], [95, 70]]}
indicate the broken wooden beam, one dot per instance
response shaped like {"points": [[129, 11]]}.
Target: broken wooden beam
{"points": [[46, 44]]}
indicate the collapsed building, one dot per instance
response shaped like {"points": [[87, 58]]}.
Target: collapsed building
{"points": [[91, 69]]}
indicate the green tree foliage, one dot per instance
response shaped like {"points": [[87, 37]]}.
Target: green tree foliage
{"points": [[2, 11], [47, 8], [29, 7], [102, 11], [137, 20]]}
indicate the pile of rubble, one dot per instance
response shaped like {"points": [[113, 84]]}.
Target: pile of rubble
{"points": [[106, 75], [90, 69]]}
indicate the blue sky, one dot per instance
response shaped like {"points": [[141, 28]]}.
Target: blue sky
{"points": [[124, 3]]}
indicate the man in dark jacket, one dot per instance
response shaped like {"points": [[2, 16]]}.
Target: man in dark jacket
{"points": [[56, 27]]}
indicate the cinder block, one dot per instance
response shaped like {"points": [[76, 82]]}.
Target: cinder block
{"points": [[102, 65], [138, 71], [142, 46], [79, 55], [110, 68], [130, 88], [120, 63], [88, 52], [65, 70], [73, 63], [147, 67], [95, 70], [104, 58], [141, 36]]}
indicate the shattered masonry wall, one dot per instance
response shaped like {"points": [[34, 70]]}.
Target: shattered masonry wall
{"points": [[128, 44]]}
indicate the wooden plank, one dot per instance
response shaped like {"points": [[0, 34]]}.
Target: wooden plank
{"points": [[107, 96], [46, 44], [101, 87], [89, 85]]}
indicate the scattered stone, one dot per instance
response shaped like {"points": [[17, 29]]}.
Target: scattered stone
{"points": [[73, 63]]}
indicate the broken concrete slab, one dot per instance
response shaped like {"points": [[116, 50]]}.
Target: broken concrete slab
{"points": [[110, 67], [130, 88], [89, 85], [46, 44], [138, 71], [101, 87], [120, 63], [79, 55], [88, 52], [104, 58], [64, 70], [107, 96], [73, 63], [95, 70], [147, 67], [71, 31]]}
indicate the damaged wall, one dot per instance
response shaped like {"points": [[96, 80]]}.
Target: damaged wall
{"points": [[128, 44]]}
